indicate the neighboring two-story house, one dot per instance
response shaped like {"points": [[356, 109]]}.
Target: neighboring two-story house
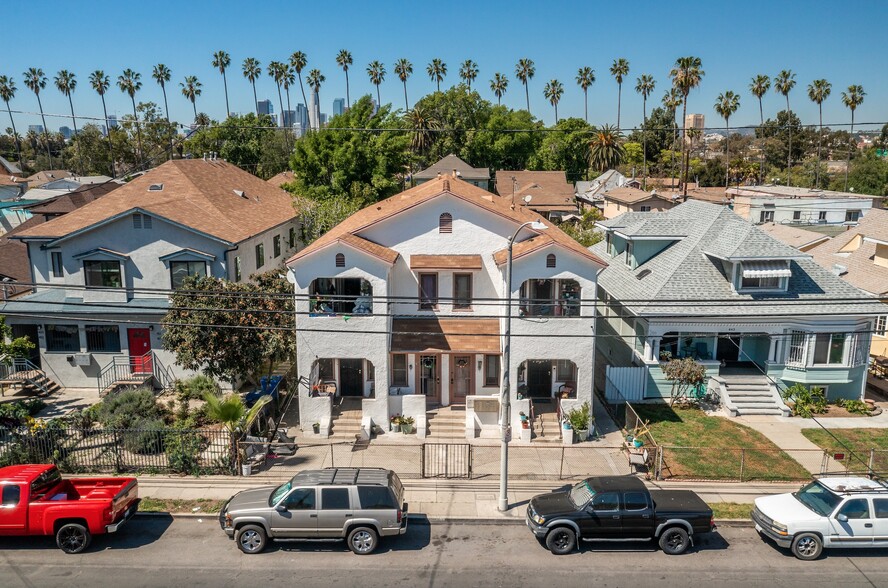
{"points": [[699, 281], [450, 165], [628, 199], [401, 306], [801, 206], [104, 270], [546, 193]]}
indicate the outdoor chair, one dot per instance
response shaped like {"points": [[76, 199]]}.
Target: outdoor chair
{"points": [[256, 451], [566, 389], [638, 459]]}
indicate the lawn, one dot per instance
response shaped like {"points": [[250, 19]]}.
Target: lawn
{"points": [[860, 440], [200, 505], [715, 448], [731, 510]]}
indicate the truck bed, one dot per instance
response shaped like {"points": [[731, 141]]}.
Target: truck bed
{"points": [[685, 505]]}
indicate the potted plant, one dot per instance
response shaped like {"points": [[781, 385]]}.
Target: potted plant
{"points": [[522, 416], [316, 428], [395, 423], [579, 420], [407, 425]]}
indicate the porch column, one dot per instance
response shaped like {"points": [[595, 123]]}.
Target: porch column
{"points": [[648, 348], [772, 351], [656, 356]]}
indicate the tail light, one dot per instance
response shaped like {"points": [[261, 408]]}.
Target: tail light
{"points": [[107, 513], [400, 514], [712, 522]]}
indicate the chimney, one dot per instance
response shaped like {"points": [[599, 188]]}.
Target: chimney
{"points": [[438, 176]]}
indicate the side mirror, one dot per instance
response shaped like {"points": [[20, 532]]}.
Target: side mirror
{"points": [[842, 518], [280, 508]]}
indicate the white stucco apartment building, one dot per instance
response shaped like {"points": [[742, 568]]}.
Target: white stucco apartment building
{"points": [[402, 306], [800, 206]]}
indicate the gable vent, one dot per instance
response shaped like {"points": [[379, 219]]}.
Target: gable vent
{"points": [[155, 187], [550, 260], [340, 260], [445, 223], [141, 221]]}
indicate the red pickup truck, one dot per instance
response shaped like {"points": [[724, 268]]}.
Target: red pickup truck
{"points": [[35, 500]]}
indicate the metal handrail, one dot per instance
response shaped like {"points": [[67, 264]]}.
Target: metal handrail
{"points": [[122, 367]]}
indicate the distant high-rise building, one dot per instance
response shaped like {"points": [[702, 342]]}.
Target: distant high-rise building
{"points": [[265, 107], [36, 128], [323, 118], [274, 120], [338, 106], [66, 132], [301, 119], [290, 118], [314, 111], [112, 121], [694, 123]]}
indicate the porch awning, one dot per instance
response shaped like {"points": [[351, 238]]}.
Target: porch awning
{"points": [[446, 262], [766, 269], [450, 335]]}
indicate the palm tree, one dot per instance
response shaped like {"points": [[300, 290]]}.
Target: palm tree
{"points": [[605, 149], [288, 78], [671, 102], [403, 68], [298, 61], [619, 69], [276, 71], [553, 92], [644, 86], [686, 75], [524, 71], [130, 82], [468, 72], [437, 69], [36, 81], [191, 90], [725, 105], [498, 85], [344, 60], [852, 99], [784, 82], [422, 124], [759, 86], [233, 414], [818, 91], [315, 79], [100, 83], [221, 61], [66, 82], [585, 78], [376, 71], [7, 93], [252, 70], [162, 75]]}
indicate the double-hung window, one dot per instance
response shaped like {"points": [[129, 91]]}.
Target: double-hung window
{"points": [[462, 291], [102, 273], [428, 291], [829, 349], [179, 270], [491, 370], [399, 369]]}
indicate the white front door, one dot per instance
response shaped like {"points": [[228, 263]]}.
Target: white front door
{"points": [[852, 524]]}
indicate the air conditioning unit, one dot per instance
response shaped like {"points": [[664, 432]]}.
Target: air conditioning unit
{"points": [[82, 359]]}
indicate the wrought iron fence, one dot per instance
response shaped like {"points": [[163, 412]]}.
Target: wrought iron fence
{"points": [[77, 450]]}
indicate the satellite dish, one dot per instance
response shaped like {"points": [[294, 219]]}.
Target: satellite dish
{"points": [[527, 199]]}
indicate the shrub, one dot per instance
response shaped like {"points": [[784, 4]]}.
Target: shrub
{"points": [[854, 406], [146, 437], [183, 451], [13, 414], [806, 402], [125, 409], [195, 387], [579, 417]]}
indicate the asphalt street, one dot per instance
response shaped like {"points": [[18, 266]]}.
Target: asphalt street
{"points": [[161, 551]]}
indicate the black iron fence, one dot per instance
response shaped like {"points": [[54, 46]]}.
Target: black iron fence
{"points": [[76, 450]]}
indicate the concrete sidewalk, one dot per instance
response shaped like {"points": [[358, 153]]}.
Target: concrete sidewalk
{"points": [[474, 500]]}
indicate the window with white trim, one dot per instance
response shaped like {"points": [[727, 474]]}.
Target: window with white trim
{"points": [[852, 216], [829, 348], [880, 326], [645, 208], [57, 270], [798, 343], [766, 216]]}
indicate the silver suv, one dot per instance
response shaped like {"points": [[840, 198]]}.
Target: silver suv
{"points": [[359, 505]]}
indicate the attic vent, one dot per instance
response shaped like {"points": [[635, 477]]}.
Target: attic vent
{"points": [[155, 187], [447, 185], [241, 194], [550, 260], [340, 260], [643, 274], [445, 223], [141, 221]]}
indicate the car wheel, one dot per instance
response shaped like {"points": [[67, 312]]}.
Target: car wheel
{"points": [[561, 540], [674, 541], [362, 540], [73, 538], [251, 539], [807, 546]]}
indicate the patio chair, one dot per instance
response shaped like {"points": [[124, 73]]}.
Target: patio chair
{"points": [[702, 350], [566, 389]]}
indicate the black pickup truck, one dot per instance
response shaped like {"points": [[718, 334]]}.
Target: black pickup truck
{"points": [[618, 508]]}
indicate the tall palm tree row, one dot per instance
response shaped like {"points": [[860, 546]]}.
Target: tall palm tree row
{"points": [[191, 90], [644, 85], [498, 85], [130, 82], [162, 75], [221, 61], [468, 71], [298, 61], [7, 93], [66, 82], [100, 82], [344, 60], [437, 71], [818, 91], [726, 105], [315, 79], [852, 99], [618, 69], [524, 71], [288, 78], [252, 70], [376, 72], [686, 74], [784, 82], [403, 69], [553, 92], [759, 86], [585, 78], [35, 80]]}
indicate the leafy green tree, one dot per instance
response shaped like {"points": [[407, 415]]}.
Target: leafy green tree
{"points": [[498, 146], [584, 231], [498, 85], [776, 133], [619, 69], [633, 155], [524, 71], [66, 83], [422, 125], [130, 82], [656, 134], [90, 149], [242, 141], [252, 70], [852, 99], [818, 91], [468, 71], [456, 110], [564, 148], [868, 175], [403, 69], [344, 60], [339, 162], [671, 101], [606, 149], [232, 412], [319, 216], [11, 346], [221, 61], [585, 79], [100, 82]]}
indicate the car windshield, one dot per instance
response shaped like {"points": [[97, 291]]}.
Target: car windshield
{"points": [[279, 493], [580, 494], [818, 498]]}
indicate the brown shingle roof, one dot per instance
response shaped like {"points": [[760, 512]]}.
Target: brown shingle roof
{"points": [[424, 192], [72, 200], [285, 177], [383, 253], [793, 236], [461, 335], [549, 189], [449, 163], [46, 176], [709, 194], [212, 197], [629, 195], [468, 262], [861, 270]]}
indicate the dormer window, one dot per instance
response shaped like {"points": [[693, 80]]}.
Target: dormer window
{"points": [[445, 223], [764, 275]]}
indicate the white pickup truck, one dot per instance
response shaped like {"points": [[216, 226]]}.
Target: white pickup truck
{"points": [[847, 511]]}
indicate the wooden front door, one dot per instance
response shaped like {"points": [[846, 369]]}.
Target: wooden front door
{"points": [[139, 343], [429, 378], [461, 377], [351, 377]]}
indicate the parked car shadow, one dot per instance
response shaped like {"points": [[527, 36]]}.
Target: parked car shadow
{"points": [[706, 542], [138, 532], [417, 537]]}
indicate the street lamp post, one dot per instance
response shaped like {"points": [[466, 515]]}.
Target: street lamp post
{"points": [[505, 395]]}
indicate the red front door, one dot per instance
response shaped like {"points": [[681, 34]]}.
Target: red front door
{"points": [[139, 346]]}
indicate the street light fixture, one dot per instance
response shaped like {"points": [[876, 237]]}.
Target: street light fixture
{"points": [[505, 394]]}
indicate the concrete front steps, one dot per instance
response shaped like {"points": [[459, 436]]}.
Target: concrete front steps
{"points": [[346, 422], [546, 428], [751, 395], [446, 423]]}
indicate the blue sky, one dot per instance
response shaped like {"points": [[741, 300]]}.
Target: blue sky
{"points": [[813, 38]]}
